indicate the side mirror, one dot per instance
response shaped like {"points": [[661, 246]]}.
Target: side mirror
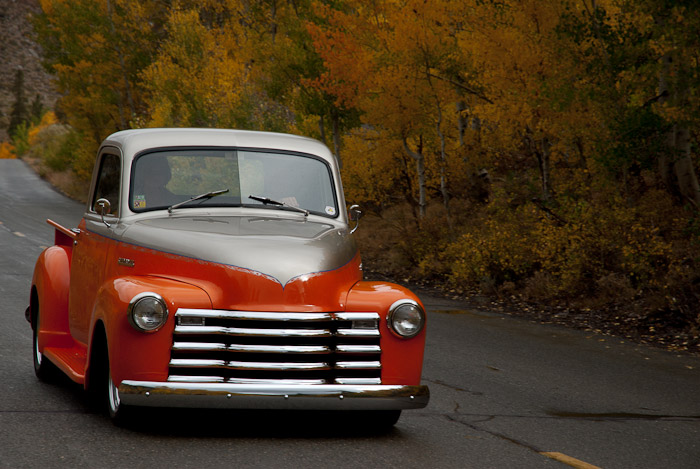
{"points": [[102, 206], [354, 213]]}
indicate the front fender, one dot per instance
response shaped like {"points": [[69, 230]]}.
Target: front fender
{"points": [[402, 359], [134, 354]]}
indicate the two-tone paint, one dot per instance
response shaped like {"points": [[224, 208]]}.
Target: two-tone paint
{"points": [[218, 258]]}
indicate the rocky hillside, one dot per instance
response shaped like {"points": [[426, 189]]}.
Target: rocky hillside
{"points": [[18, 50]]}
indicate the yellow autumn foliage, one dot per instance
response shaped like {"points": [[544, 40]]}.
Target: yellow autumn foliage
{"points": [[7, 151], [48, 119]]}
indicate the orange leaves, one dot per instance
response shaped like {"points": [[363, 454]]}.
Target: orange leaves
{"points": [[7, 151], [346, 63], [383, 58]]}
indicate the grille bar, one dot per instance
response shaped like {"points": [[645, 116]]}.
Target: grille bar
{"points": [[195, 379], [236, 365], [358, 349], [358, 365], [212, 347], [358, 381], [256, 315], [196, 363], [277, 366], [358, 332], [198, 346], [244, 347], [239, 331]]}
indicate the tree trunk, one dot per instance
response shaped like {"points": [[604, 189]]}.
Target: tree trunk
{"points": [[541, 150], [336, 137], [543, 159], [322, 128], [462, 120], [443, 169], [420, 170]]}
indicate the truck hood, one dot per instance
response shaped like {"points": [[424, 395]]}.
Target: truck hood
{"points": [[279, 248]]}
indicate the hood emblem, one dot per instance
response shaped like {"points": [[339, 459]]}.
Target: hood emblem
{"points": [[126, 262]]}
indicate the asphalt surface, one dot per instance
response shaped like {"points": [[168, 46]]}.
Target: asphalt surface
{"points": [[504, 393]]}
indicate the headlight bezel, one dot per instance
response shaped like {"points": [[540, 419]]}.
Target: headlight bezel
{"points": [[393, 321], [133, 311]]}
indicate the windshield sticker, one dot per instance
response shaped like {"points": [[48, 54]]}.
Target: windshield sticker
{"points": [[139, 201], [330, 210]]}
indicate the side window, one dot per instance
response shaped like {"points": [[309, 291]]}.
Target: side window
{"points": [[108, 180]]}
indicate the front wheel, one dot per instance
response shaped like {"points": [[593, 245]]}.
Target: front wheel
{"points": [[372, 420], [385, 419], [103, 391], [118, 412]]}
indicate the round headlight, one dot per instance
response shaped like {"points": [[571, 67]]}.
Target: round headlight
{"points": [[147, 312], [406, 318]]}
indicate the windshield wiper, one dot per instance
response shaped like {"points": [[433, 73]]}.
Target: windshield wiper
{"points": [[266, 200], [206, 195]]}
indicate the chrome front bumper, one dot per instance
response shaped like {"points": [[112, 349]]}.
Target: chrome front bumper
{"points": [[273, 396]]}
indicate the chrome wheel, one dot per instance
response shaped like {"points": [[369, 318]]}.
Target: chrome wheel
{"points": [[112, 397], [37, 354]]}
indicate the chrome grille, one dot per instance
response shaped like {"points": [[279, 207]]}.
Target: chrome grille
{"points": [[273, 347]]}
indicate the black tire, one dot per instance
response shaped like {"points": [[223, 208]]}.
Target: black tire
{"points": [[43, 368], [103, 394], [378, 421], [385, 419]]}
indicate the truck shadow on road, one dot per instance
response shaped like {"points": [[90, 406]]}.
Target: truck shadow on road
{"points": [[255, 423]]}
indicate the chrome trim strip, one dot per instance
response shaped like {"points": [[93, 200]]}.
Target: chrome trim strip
{"points": [[238, 331], [358, 349], [216, 347], [199, 346], [356, 381], [195, 379], [277, 366], [236, 365], [301, 349], [199, 330], [278, 382], [196, 363], [358, 333], [273, 396], [254, 315], [358, 365], [360, 316]]}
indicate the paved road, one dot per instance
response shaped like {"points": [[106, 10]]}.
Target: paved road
{"points": [[505, 393]]}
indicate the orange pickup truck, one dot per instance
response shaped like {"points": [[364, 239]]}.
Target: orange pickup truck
{"points": [[217, 269]]}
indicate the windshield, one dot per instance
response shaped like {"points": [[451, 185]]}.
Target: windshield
{"points": [[166, 178]]}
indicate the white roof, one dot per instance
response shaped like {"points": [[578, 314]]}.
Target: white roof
{"points": [[134, 141]]}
